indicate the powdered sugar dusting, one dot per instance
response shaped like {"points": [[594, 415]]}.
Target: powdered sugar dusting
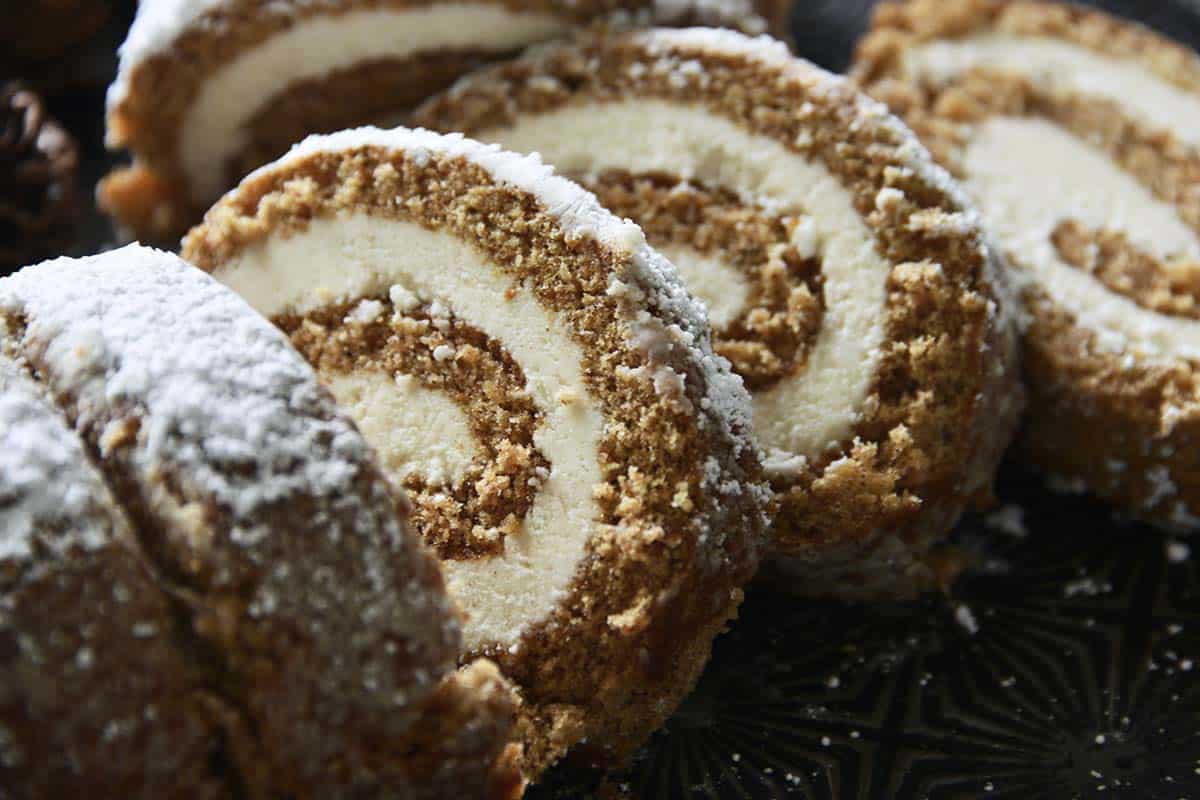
{"points": [[50, 495], [223, 434], [227, 394], [157, 25], [579, 212], [680, 321], [764, 49]]}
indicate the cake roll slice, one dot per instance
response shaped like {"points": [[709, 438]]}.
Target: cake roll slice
{"points": [[209, 89], [1079, 137], [535, 377], [245, 549], [846, 277], [94, 693]]}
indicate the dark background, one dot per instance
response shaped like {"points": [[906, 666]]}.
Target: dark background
{"points": [[1066, 664]]}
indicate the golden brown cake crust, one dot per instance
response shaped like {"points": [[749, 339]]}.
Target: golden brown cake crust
{"points": [[634, 630], [1146, 461], [945, 398], [152, 198]]}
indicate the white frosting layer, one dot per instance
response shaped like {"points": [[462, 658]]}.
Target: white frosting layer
{"points": [[1063, 66], [577, 212], [817, 408], [213, 128], [719, 286], [359, 255], [413, 429], [1029, 175]]}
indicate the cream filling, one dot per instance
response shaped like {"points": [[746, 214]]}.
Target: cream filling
{"points": [[815, 410], [213, 129], [1066, 67], [1028, 176], [414, 429], [358, 255], [722, 288]]}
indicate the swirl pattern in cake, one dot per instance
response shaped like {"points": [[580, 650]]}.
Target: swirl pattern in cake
{"points": [[209, 89], [532, 374], [1079, 136]]}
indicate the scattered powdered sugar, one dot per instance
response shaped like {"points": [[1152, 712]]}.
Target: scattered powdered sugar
{"points": [[50, 494], [1008, 520], [965, 617], [1086, 587], [1178, 552], [365, 312], [679, 321], [157, 24], [1161, 486], [764, 49]]}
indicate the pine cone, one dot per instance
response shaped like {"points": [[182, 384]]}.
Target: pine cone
{"points": [[39, 201]]}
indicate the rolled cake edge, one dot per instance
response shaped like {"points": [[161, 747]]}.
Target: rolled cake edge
{"points": [[623, 714], [36, 332], [493, 98], [1141, 464]]}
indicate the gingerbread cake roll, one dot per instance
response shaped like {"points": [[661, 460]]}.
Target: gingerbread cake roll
{"points": [[93, 692], [534, 376], [250, 567], [846, 278], [209, 89], [1079, 137]]}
